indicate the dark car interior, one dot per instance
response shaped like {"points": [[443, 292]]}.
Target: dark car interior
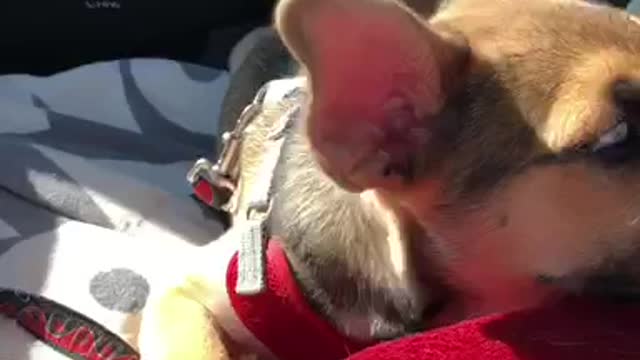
{"points": [[45, 37], [42, 38]]}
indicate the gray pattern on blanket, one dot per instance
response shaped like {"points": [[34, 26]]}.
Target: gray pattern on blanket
{"points": [[120, 290], [146, 142]]}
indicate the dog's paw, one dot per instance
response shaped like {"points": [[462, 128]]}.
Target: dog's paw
{"points": [[177, 327]]}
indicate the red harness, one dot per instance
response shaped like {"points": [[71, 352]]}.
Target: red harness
{"points": [[280, 317]]}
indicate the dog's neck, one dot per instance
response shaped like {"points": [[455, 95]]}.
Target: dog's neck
{"points": [[350, 252]]}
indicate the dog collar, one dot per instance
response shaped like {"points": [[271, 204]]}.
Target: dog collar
{"points": [[280, 317], [261, 287], [260, 284]]}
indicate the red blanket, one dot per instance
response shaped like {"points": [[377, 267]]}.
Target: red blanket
{"points": [[572, 330]]}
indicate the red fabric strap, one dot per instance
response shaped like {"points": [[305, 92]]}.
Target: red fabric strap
{"points": [[204, 192], [63, 328], [281, 318]]}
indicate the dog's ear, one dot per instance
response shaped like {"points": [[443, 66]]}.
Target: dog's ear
{"points": [[379, 76]]}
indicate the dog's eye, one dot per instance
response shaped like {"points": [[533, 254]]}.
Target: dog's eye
{"points": [[614, 136], [616, 144], [622, 141]]}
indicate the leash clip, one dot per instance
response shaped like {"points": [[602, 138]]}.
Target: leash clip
{"points": [[214, 184], [210, 185]]}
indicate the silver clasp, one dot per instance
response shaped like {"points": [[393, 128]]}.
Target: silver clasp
{"points": [[224, 173]]}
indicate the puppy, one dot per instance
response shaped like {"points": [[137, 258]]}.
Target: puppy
{"points": [[482, 158]]}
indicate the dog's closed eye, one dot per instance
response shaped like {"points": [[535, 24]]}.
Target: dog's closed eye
{"points": [[621, 141], [618, 144], [615, 136]]}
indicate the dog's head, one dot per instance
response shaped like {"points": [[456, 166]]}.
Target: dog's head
{"points": [[510, 129]]}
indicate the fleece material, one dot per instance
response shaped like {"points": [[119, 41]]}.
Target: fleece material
{"points": [[575, 329]]}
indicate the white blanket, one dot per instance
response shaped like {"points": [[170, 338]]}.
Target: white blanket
{"points": [[93, 197]]}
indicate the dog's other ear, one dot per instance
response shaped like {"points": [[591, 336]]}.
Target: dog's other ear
{"points": [[379, 76]]}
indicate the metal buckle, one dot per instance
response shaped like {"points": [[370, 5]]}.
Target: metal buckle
{"points": [[209, 186], [223, 175]]}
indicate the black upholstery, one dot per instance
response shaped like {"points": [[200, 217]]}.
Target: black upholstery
{"points": [[42, 37]]}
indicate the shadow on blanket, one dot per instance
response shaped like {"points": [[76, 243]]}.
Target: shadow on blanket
{"points": [[30, 222]]}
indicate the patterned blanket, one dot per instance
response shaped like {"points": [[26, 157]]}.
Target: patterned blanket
{"points": [[93, 198]]}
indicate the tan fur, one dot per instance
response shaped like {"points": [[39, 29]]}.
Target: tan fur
{"points": [[485, 215]]}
